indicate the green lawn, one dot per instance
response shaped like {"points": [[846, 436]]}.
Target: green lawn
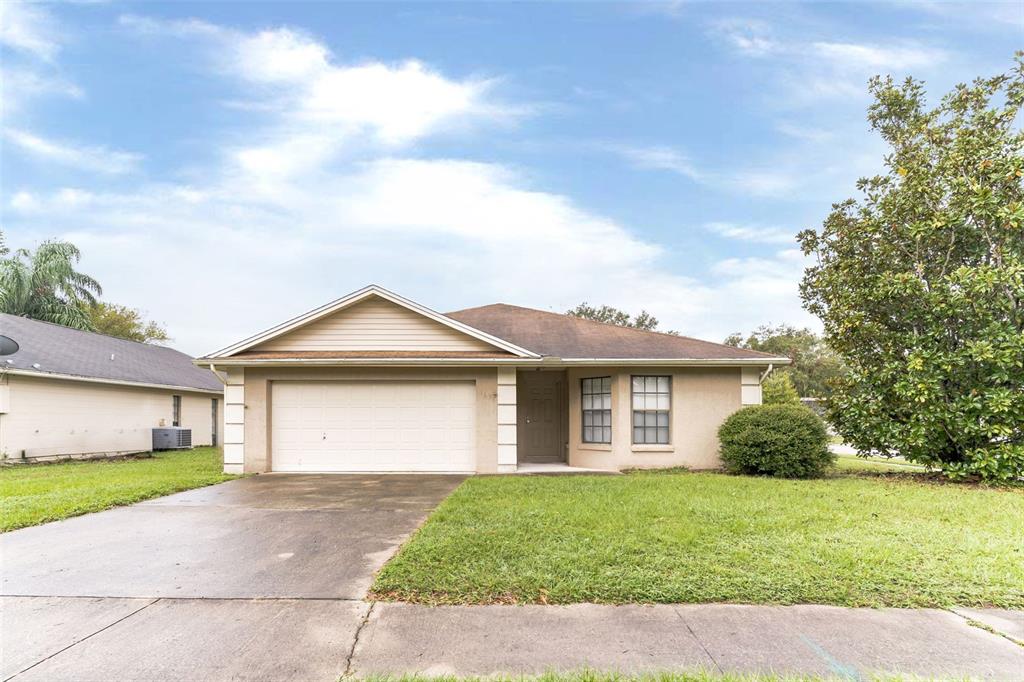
{"points": [[854, 539], [855, 463], [36, 493]]}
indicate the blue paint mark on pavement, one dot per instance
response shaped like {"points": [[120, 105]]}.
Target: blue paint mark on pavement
{"points": [[844, 671]]}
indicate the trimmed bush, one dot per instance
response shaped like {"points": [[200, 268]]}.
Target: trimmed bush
{"points": [[785, 441]]}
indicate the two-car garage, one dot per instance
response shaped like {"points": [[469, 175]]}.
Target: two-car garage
{"points": [[373, 426]]}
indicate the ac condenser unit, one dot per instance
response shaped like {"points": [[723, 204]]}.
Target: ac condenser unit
{"points": [[172, 438]]}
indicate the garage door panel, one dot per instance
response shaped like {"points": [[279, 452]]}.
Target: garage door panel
{"points": [[373, 426]]}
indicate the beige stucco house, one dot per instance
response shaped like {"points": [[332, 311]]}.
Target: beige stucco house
{"points": [[71, 393], [374, 382]]}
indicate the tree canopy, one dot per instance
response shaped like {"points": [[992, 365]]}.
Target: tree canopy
{"points": [[126, 323], [814, 363], [606, 313], [920, 282], [778, 389], [44, 285]]}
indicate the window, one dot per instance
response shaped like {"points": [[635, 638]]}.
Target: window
{"points": [[652, 400], [597, 410], [176, 410], [215, 421]]}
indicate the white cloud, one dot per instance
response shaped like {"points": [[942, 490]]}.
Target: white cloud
{"points": [[20, 85], [747, 36], [882, 59], [452, 233], [804, 132], [993, 16], [395, 103], [306, 209], [28, 28], [814, 70], [29, 42], [753, 233], [85, 157], [657, 158]]}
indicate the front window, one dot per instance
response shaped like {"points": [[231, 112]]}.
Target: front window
{"points": [[597, 410], [652, 401]]}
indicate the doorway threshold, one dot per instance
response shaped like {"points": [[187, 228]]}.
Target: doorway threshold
{"points": [[556, 468]]}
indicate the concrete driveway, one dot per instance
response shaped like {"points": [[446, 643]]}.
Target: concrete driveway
{"points": [[260, 577]]}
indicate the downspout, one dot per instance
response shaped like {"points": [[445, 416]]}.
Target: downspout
{"points": [[224, 381], [763, 376]]}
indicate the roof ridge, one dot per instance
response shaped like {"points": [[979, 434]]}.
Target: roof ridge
{"points": [[86, 331], [610, 324]]}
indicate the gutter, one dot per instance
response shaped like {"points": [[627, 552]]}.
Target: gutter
{"points": [[115, 382], [492, 362]]}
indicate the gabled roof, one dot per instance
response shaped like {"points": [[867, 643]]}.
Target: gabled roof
{"points": [[64, 352], [356, 297], [573, 338]]}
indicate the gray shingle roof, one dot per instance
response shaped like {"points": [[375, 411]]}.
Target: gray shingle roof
{"points": [[62, 350], [566, 336]]}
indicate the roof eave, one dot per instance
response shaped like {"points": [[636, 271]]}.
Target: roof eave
{"points": [[681, 362], [357, 296], [547, 361], [102, 380]]}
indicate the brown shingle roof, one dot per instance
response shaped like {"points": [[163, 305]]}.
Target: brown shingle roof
{"points": [[565, 336]]}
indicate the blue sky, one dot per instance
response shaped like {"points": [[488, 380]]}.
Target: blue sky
{"points": [[224, 166]]}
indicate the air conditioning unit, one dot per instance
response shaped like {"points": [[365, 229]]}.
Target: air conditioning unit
{"points": [[172, 438]]}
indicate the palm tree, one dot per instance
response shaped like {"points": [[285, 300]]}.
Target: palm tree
{"points": [[45, 285]]}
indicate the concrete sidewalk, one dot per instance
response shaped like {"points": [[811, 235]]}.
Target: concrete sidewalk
{"points": [[808, 640], [86, 639]]}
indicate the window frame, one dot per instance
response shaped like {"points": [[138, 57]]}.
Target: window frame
{"points": [[656, 411], [603, 411], [175, 410]]}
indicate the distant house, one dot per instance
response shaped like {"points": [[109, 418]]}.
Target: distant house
{"points": [[67, 392]]}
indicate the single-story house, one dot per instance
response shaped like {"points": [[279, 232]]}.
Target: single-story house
{"points": [[67, 392], [374, 382]]}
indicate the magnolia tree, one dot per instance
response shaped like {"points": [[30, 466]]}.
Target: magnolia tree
{"points": [[920, 282]]}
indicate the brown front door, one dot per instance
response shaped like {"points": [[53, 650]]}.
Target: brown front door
{"points": [[542, 417]]}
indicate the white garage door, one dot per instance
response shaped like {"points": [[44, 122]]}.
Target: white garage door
{"points": [[353, 426]]}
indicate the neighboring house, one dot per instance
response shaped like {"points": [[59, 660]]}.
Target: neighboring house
{"points": [[374, 382], [67, 392]]}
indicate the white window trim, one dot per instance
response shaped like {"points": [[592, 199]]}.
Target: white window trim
{"points": [[652, 447], [583, 411]]}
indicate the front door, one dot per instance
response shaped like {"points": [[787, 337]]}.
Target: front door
{"points": [[542, 417]]}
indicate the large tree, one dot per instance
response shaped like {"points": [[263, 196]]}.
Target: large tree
{"points": [[126, 323], [920, 282], [44, 285], [815, 365], [609, 315]]}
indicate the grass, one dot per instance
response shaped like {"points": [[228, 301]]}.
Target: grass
{"points": [[37, 493], [854, 539], [855, 463]]}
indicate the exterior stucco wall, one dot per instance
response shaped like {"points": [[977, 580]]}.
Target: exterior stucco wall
{"points": [[701, 400], [52, 417], [258, 395]]}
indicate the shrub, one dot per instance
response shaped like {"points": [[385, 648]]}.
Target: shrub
{"points": [[786, 441], [778, 389]]}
